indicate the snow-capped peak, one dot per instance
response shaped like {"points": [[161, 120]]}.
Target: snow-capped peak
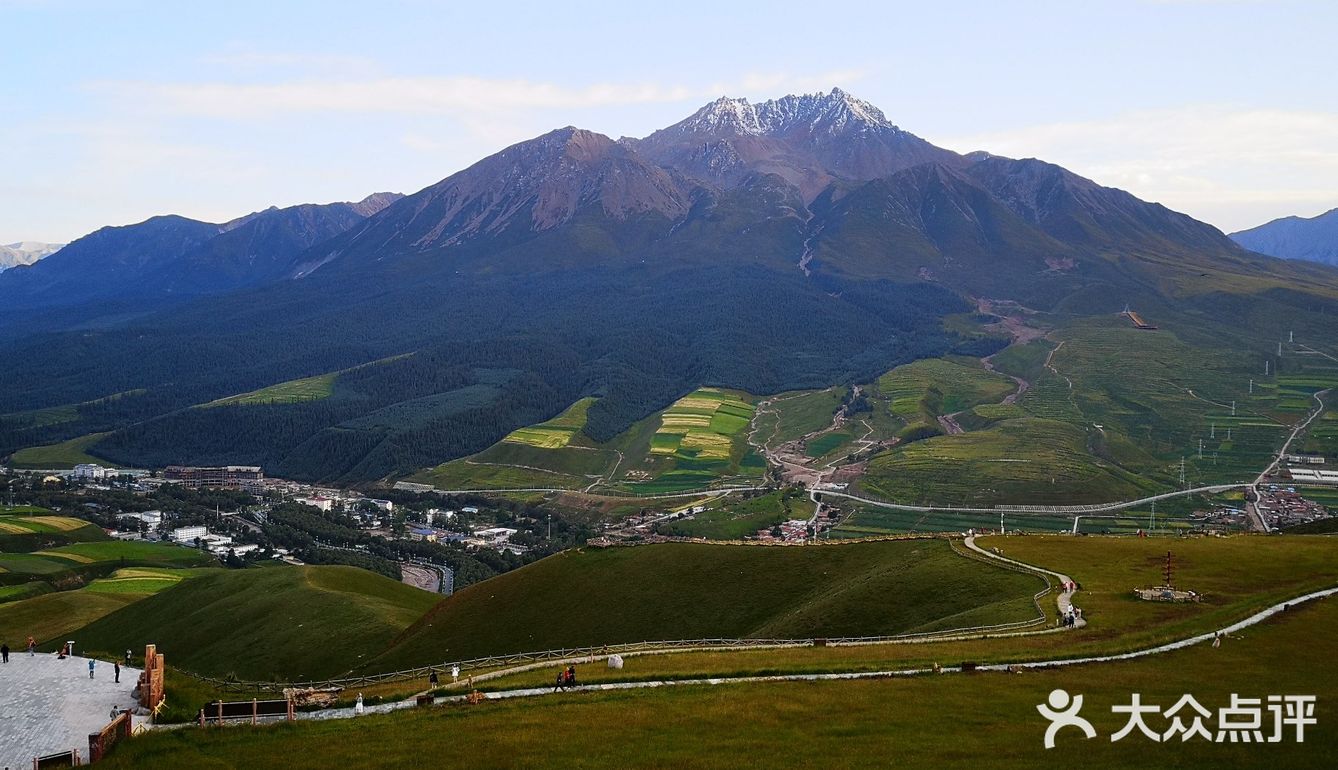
{"points": [[25, 253], [833, 111]]}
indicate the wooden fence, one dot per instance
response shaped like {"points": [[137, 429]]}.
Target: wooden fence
{"points": [[104, 740], [221, 712]]}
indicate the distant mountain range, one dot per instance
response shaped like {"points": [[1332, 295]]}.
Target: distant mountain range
{"points": [[25, 253], [172, 255], [787, 244], [1314, 239]]}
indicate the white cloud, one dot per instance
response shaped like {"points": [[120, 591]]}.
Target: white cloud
{"points": [[1228, 166], [428, 95]]}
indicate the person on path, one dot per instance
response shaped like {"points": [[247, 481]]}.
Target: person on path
{"points": [[116, 669], [455, 673], [32, 646], [561, 679], [571, 676], [432, 679], [92, 664], [127, 657], [357, 707], [4, 653]]}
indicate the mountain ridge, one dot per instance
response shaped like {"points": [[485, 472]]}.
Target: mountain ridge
{"points": [[1313, 239]]}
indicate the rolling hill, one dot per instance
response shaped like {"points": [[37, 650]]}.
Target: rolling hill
{"points": [[689, 591], [291, 623]]}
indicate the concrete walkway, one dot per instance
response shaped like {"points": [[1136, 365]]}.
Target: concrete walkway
{"points": [[49, 705], [532, 692], [1063, 599]]}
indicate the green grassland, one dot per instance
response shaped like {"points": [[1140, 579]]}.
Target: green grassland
{"points": [[51, 618], [56, 415], [685, 591], [65, 454], [1027, 459], [293, 623], [313, 388], [792, 415], [1239, 575], [918, 392], [1110, 418], [734, 518], [290, 392], [987, 720], [145, 580]]}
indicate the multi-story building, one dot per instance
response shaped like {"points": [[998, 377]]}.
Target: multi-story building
{"points": [[226, 476]]}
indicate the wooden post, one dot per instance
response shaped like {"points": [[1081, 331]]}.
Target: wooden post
{"points": [[255, 711], [220, 712]]}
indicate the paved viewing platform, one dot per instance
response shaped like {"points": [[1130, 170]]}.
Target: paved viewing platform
{"points": [[49, 705]]}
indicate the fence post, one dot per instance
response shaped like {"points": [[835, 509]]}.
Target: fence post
{"points": [[255, 711]]}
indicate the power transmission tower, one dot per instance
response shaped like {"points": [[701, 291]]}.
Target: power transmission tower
{"points": [[1152, 518], [1233, 403], [1251, 386], [1212, 432], [1200, 449], [1182, 471]]}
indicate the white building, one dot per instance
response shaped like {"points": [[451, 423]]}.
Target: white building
{"points": [[91, 472], [187, 535], [495, 534], [324, 503], [384, 505], [153, 518]]}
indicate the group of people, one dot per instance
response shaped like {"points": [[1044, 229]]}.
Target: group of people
{"points": [[1071, 617], [64, 652], [565, 679], [4, 649]]}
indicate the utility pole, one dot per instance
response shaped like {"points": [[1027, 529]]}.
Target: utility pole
{"points": [[1251, 386], [1200, 449], [1291, 336], [1265, 368], [1212, 432], [1233, 401]]}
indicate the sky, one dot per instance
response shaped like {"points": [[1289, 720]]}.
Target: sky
{"points": [[115, 111]]}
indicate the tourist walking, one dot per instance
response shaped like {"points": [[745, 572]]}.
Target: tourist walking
{"points": [[4, 653], [432, 679], [32, 646], [357, 707], [92, 664], [116, 669], [127, 657]]}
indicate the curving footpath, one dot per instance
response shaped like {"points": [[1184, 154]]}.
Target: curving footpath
{"points": [[532, 692], [1063, 600]]}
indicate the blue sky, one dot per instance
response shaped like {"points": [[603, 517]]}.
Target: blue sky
{"points": [[116, 111]]}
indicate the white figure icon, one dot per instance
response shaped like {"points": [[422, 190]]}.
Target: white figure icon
{"points": [[1063, 712]]}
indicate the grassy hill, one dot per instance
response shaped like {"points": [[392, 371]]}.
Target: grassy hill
{"points": [[290, 623], [987, 720], [691, 591], [65, 454], [52, 617]]}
